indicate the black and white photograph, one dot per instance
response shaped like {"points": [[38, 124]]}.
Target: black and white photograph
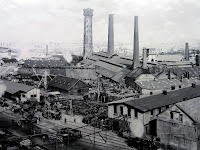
{"points": [[100, 75]]}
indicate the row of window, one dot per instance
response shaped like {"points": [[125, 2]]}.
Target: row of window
{"points": [[122, 111], [180, 118], [160, 109]]}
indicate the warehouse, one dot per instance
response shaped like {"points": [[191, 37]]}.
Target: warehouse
{"points": [[67, 85]]}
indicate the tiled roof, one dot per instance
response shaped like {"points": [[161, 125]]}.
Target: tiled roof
{"points": [[155, 101], [65, 83], [45, 63], [13, 87]]}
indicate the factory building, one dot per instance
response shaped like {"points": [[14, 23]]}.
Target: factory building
{"points": [[150, 111], [9, 62], [20, 92], [138, 74], [68, 85], [157, 86]]}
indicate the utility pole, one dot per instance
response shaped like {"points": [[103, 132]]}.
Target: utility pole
{"points": [[94, 135]]}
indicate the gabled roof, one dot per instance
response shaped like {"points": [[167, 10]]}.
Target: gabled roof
{"points": [[13, 87], [107, 68], [155, 101], [65, 83], [137, 72], [120, 76], [45, 63]]}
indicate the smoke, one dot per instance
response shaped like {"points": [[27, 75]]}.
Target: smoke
{"points": [[68, 56], [2, 89]]}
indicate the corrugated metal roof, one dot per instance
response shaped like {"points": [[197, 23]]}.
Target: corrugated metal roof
{"points": [[13, 87], [160, 100]]}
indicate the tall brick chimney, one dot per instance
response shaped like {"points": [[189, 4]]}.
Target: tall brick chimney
{"points": [[87, 45], [144, 58], [136, 62], [187, 52], [111, 34]]}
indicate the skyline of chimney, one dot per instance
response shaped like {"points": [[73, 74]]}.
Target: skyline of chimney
{"points": [[136, 62], [187, 52], [111, 34], [88, 43]]}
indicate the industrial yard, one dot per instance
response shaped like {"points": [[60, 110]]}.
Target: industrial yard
{"points": [[99, 97]]}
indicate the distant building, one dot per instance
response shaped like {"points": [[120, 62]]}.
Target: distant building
{"points": [[20, 92], [82, 73], [39, 66], [187, 72], [138, 74], [157, 86], [107, 68], [9, 62], [165, 75]]}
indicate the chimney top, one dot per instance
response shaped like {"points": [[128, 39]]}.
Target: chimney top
{"points": [[88, 12]]}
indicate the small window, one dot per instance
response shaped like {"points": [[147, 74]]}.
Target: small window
{"points": [[23, 95], [146, 129], [171, 115], [129, 111], [181, 117], [115, 109], [34, 95], [121, 111], [167, 106], [136, 114], [151, 112], [160, 110]]}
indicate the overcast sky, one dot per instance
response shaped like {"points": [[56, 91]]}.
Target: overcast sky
{"points": [[162, 23]]}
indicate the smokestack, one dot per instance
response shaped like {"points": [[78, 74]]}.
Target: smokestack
{"points": [[187, 52], [46, 50], [136, 62], [144, 58], [111, 35], [87, 45]]}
